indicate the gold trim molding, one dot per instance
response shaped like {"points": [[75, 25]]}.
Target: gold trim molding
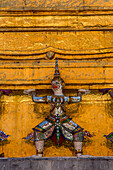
{"points": [[58, 53]]}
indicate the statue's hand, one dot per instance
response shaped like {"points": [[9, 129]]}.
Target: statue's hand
{"points": [[84, 91], [29, 91]]}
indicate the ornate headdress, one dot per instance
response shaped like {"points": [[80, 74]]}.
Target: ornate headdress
{"points": [[57, 74]]}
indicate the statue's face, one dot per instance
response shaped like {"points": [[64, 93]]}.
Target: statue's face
{"points": [[57, 85]]}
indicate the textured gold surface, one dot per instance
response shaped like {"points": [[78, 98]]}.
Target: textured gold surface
{"points": [[55, 4], [38, 74], [83, 42], [84, 37], [19, 115], [67, 21], [88, 42]]}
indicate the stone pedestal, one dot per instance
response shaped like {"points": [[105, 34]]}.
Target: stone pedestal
{"points": [[57, 163]]}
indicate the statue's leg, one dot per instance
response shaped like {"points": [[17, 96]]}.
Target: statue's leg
{"points": [[39, 147], [72, 131], [78, 138], [39, 143], [41, 135]]}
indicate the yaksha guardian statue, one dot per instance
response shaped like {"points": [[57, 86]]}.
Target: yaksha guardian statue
{"points": [[58, 125]]}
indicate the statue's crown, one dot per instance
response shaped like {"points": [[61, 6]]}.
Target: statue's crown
{"points": [[57, 74]]}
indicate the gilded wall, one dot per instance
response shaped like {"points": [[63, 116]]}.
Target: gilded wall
{"points": [[32, 35], [19, 115]]}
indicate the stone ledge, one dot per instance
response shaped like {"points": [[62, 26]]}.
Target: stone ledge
{"points": [[57, 163], [60, 158]]}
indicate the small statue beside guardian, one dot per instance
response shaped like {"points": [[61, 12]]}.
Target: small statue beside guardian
{"points": [[3, 135], [109, 137]]}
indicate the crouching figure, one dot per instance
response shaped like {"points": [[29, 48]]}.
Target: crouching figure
{"points": [[57, 125]]}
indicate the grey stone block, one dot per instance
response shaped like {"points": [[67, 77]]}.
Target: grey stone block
{"points": [[101, 164], [110, 162], [62, 164], [39, 164], [20, 164], [4, 164], [83, 164], [58, 163]]}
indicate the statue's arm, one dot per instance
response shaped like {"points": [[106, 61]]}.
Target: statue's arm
{"points": [[37, 99], [75, 99], [78, 98], [40, 99]]}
